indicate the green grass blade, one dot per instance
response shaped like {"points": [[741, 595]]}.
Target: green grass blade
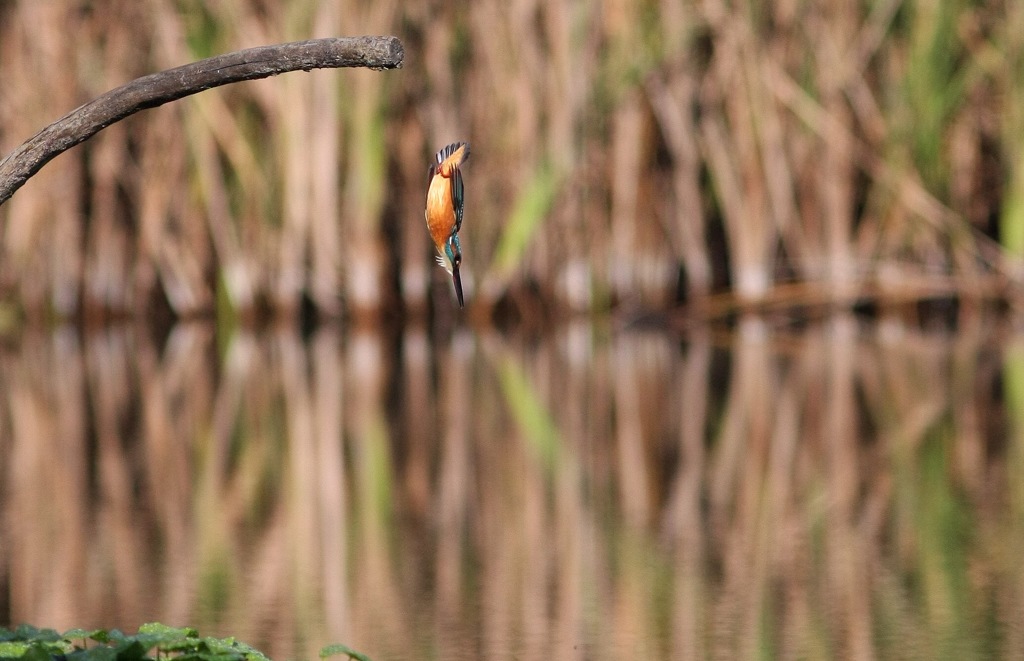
{"points": [[531, 207], [530, 414]]}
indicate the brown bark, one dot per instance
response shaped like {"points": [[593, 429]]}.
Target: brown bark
{"points": [[156, 89]]}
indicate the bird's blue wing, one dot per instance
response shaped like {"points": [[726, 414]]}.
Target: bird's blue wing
{"points": [[458, 196]]}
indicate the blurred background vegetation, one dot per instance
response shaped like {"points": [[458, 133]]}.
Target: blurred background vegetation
{"points": [[632, 155], [846, 490]]}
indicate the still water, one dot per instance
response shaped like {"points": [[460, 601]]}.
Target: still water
{"points": [[847, 490]]}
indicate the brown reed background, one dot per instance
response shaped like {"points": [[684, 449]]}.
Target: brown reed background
{"points": [[638, 153]]}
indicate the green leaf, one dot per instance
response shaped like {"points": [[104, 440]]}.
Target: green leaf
{"points": [[178, 643], [220, 644], [13, 648], [98, 635], [227, 646], [167, 632], [28, 650], [212, 656], [98, 653], [166, 638], [131, 650], [38, 652], [337, 648], [28, 632], [76, 634], [101, 635], [114, 636]]}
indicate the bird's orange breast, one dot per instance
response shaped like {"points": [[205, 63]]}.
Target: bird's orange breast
{"points": [[440, 212]]}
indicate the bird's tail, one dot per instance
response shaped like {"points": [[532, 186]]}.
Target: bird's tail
{"points": [[451, 157]]}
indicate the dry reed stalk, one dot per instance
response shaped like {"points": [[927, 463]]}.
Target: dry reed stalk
{"points": [[729, 147], [302, 500], [325, 238], [375, 587], [561, 95], [572, 359], [627, 145], [296, 214], [418, 444], [328, 394], [673, 98], [364, 196], [849, 570], [683, 521], [106, 276], [42, 420], [175, 392], [409, 149], [171, 235], [212, 193], [456, 112], [745, 536], [442, 108], [161, 155], [42, 238], [630, 434], [293, 140], [455, 490], [117, 511], [967, 377], [365, 184], [565, 91]]}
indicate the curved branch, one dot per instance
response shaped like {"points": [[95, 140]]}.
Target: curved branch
{"points": [[157, 89]]}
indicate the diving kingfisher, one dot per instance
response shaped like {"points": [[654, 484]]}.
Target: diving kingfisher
{"points": [[446, 197]]}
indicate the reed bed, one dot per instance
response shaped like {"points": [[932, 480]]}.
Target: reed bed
{"points": [[637, 154], [844, 492]]}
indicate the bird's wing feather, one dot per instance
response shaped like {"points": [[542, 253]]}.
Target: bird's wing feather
{"points": [[446, 152], [458, 196]]}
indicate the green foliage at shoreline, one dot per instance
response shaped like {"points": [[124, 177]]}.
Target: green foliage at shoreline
{"points": [[153, 641]]}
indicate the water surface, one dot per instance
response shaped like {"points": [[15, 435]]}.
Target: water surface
{"points": [[850, 489]]}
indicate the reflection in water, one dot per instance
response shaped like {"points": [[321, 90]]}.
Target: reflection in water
{"points": [[838, 492]]}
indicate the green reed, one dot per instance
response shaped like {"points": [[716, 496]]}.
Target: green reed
{"points": [[1008, 58], [934, 79], [526, 219], [538, 429]]}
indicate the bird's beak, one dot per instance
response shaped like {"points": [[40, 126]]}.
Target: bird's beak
{"points": [[457, 279]]}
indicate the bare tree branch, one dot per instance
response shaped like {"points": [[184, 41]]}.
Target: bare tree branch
{"points": [[157, 89]]}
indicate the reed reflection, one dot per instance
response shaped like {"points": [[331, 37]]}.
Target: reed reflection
{"points": [[842, 491]]}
